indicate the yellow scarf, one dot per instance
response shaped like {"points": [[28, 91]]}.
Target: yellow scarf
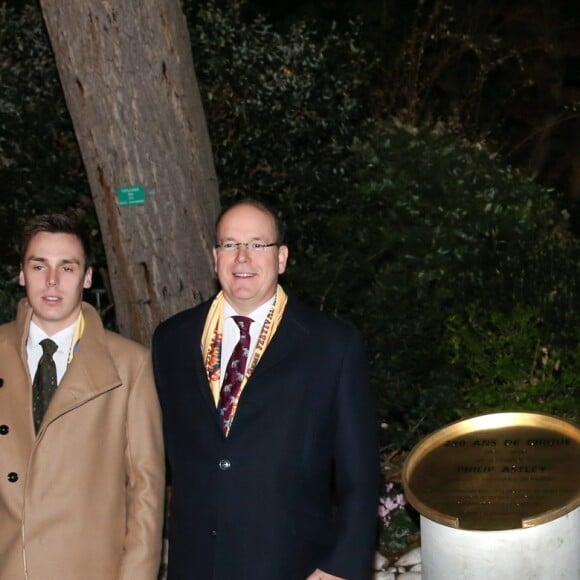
{"points": [[78, 332], [211, 340]]}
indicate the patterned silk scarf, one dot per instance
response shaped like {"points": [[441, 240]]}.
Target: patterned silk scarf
{"points": [[211, 340]]}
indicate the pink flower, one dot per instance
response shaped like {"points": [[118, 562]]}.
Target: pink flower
{"points": [[389, 503]]}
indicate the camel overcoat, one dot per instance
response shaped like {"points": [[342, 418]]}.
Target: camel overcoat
{"points": [[82, 499]]}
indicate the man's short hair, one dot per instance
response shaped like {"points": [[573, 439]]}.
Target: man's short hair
{"points": [[57, 223], [259, 205]]}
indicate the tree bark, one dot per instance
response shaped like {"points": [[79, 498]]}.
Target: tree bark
{"points": [[130, 86]]}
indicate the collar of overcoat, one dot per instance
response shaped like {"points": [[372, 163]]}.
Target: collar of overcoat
{"points": [[91, 372]]}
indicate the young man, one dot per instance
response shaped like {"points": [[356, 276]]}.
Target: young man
{"points": [[81, 457], [269, 427]]}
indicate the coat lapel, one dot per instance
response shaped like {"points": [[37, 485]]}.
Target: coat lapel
{"points": [[288, 337], [290, 334], [190, 356], [91, 372]]}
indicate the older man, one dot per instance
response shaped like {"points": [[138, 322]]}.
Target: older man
{"points": [[269, 425]]}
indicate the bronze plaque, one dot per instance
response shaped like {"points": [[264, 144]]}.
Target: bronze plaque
{"points": [[496, 472]]}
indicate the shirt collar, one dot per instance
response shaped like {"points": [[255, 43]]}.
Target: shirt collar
{"points": [[62, 338], [258, 315]]}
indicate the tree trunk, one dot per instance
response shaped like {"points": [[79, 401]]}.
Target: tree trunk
{"points": [[129, 82]]}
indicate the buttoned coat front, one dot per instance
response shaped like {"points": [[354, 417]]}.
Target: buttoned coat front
{"points": [[83, 499], [294, 486]]}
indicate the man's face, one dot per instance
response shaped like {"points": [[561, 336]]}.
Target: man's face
{"points": [[54, 275], [248, 278]]}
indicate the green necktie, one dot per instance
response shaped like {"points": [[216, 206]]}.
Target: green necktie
{"points": [[44, 383]]}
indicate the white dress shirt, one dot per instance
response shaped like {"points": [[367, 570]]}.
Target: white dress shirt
{"points": [[231, 332], [63, 339]]}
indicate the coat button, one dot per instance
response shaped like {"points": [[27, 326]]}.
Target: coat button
{"points": [[4, 429], [213, 533], [224, 464], [1, 382], [12, 477]]}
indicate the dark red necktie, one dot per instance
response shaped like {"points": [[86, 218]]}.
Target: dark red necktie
{"points": [[234, 373]]}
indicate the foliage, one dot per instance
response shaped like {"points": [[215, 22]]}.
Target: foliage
{"points": [[435, 226], [40, 166], [503, 72], [282, 108], [39, 160], [506, 363]]}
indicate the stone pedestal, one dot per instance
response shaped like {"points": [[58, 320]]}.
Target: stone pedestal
{"points": [[499, 498], [550, 551]]}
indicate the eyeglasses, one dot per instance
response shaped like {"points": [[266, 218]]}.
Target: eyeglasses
{"points": [[250, 246]]}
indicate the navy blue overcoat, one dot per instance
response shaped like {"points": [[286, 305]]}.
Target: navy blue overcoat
{"points": [[294, 487]]}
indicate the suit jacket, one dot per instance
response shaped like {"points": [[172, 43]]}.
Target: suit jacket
{"points": [[294, 487], [84, 497]]}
